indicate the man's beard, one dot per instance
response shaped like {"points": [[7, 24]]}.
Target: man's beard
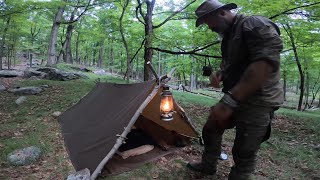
{"points": [[222, 28]]}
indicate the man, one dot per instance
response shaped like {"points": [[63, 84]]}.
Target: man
{"points": [[251, 47]]}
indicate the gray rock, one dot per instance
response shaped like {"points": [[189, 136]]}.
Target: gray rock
{"points": [[84, 69], [2, 88], [34, 78], [55, 74], [67, 76], [317, 148], [24, 156], [100, 72], [11, 73], [80, 175], [26, 90], [56, 114], [21, 100], [81, 75], [44, 86], [32, 72]]}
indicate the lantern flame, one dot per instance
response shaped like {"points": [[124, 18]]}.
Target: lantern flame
{"points": [[166, 107]]}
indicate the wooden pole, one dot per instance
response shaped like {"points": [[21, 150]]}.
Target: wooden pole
{"points": [[122, 137]]}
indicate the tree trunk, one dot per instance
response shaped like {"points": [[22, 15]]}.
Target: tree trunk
{"points": [[149, 35], [185, 79], [68, 39], [129, 67], [8, 58], [94, 54], [77, 48], [301, 73], [101, 50], [34, 33], [53, 37], [315, 90], [159, 63], [14, 56], [62, 53], [68, 57], [307, 105], [192, 77], [284, 85], [3, 42], [121, 63], [31, 56], [111, 61], [137, 68], [86, 58]]}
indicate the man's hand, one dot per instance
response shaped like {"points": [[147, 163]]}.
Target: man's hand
{"points": [[215, 79], [220, 117]]}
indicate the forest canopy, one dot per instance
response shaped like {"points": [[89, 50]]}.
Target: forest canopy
{"points": [[121, 36]]}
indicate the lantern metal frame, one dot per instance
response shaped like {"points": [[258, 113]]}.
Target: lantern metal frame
{"points": [[163, 80], [166, 99]]}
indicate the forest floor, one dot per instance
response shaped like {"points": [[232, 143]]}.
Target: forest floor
{"points": [[293, 151]]}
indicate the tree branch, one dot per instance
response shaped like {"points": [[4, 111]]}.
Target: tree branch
{"points": [[125, 75], [185, 52], [172, 15], [138, 50], [87, 7], [308, 5], [138, 8]]}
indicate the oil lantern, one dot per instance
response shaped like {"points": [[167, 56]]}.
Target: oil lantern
{"points": [[166, 104]]}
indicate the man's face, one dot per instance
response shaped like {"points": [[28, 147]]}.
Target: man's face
{"points": [[217, 23]]}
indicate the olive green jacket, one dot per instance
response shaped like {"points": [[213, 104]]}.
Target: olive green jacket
{"points": [[251, 39]]}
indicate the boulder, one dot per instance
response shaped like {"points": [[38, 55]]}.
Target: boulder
{"points": [[34, 78], [21, 100], [55, 74], [84, 69], [26, 90], [44, 86], [32, 72], [25, 156], [80, 175], [11, 73], [100, 72], [81, 75], [2, 88]]}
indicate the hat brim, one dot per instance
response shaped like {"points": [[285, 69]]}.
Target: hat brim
{"points": [[229, 6]]}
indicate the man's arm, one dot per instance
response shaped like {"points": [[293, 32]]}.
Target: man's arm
{"points": [[253, 79]]}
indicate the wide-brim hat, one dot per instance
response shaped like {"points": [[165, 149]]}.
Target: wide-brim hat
{"points": [[209, 6]]}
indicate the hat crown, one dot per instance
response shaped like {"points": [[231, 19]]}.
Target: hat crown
{"points": [[210, 6], [207, 7]]}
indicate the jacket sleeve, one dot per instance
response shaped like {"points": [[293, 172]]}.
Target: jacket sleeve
{"points": [[263, 41]]}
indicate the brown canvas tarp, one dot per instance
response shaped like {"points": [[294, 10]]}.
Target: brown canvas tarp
{"points": [[180, 124], [90, 128]]}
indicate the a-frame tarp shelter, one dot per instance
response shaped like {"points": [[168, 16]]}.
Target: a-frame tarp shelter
{"points": [[92, 126]]}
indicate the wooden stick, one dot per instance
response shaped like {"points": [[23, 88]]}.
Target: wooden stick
{"points": [[152, 70], [122, 137]]}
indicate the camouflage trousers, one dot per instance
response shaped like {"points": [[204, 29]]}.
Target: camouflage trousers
{"points": [[253, 126]]}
